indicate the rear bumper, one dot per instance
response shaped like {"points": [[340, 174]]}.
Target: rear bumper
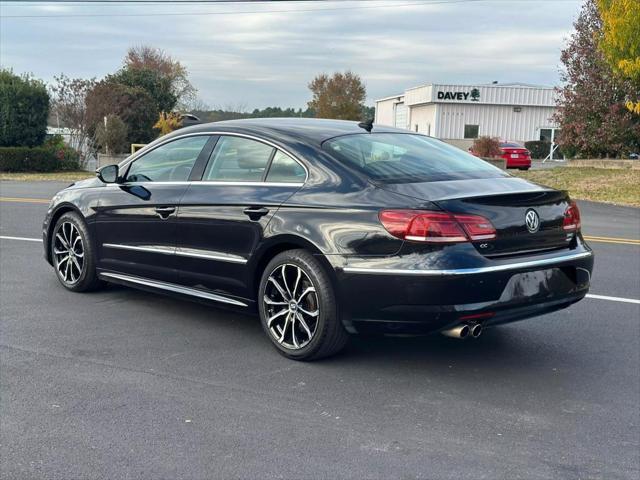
{"points": [[386, 299], [518, 162]]}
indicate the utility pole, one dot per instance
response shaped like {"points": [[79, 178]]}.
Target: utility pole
{"points": [[106, 136]]}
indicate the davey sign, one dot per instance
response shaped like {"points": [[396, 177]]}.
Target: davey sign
{"points": [[473, 95]]}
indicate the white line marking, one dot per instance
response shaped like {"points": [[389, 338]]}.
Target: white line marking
{"points": [[613, 299], [589, 295], [24, 239]]}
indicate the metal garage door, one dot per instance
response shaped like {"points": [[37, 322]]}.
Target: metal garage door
{"points": [[400, 116]]}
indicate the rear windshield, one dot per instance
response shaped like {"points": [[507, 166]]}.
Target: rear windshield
{"points": [[404, 158], [511, 145]]}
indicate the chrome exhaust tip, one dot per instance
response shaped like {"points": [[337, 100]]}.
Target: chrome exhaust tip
{"points": [[459, 331], [476, 330]]}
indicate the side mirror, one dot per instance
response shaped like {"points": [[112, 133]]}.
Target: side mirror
{"points": [[108, 173]]}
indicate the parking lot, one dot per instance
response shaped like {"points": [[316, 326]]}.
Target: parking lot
{"points": [[126, 384]]}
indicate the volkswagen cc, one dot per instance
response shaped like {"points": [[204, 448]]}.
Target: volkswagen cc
{"points": [[325, 229]]}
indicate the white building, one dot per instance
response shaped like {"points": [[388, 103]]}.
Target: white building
{"points": [[459, 113]]}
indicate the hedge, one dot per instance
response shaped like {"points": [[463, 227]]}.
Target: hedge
{"points": [[37, 159], [24, 109]]}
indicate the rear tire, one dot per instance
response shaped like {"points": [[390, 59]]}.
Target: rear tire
{"points": [[72, 254], [298, 308]]}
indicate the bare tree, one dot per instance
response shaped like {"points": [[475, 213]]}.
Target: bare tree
{"points": [[238, 107], [196, 105], [68, 98]]}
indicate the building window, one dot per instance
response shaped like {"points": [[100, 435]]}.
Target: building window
{"points": [[471, 131]]}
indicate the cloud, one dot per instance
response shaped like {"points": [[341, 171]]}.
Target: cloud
{"points": [[268, 59]]}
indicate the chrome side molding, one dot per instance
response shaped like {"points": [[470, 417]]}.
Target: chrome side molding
{"points": [[209, 255], [142, 248], [183, 252], [469, 271], [171, 287]]}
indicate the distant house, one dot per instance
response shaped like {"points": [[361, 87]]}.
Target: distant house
{"points": [[85, 150]]}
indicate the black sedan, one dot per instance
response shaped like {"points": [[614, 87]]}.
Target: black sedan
{"points": [[326, 228]]}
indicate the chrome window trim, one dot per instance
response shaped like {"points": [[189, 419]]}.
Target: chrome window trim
{"points": [[125, 163], [173, 288], [133, 184], [249, 184], [180, 251], [205, 182], [468, 271]]}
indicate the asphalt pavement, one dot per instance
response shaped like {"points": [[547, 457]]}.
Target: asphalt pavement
{"points": [[126, 384]]}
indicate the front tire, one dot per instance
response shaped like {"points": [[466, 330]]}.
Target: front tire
{"points": [[298, 308], [72, 254]]}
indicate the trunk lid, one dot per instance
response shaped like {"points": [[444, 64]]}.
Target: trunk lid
{"points": [[505, 202], [518, 152]]}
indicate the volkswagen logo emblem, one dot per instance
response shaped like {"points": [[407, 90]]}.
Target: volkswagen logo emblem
{"points": [[532, 220]]}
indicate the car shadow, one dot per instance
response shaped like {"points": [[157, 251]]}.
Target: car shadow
{"points": [[504, 347]]}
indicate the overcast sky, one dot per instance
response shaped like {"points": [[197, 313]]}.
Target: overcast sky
{"points": [[268, 58]]}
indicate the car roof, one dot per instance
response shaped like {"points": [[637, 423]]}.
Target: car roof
{"points": [[285, 130]]}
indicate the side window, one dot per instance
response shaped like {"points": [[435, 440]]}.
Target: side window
{"points": [[171, 162], [237, 159], [285, 169]]}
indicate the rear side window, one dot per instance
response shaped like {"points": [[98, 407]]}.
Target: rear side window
{"points": [[238, 159], [171, 162], [404, 158], [285, 169]]}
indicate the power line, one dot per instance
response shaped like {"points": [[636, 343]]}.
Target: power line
{"points": [[172, 2], [246, 12], [178, 1]]}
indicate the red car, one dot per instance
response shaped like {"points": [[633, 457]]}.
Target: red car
{"points": [[515, 155]]}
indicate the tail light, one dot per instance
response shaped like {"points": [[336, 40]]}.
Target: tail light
{"points": [[436, 227], [571, 221]]}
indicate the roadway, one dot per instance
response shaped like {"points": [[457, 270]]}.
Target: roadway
{"points": [[125, 384]]}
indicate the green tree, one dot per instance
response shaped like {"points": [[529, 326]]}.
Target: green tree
{"points": [[133, 105], [144, 57], [620, 42], [368, 113], [111, 135], [153, 82], [340, 96], [230, 113], [24, 110], [591, 111]]}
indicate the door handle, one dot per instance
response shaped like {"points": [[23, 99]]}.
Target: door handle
{"points": [[165, 212], [254, 213]]}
